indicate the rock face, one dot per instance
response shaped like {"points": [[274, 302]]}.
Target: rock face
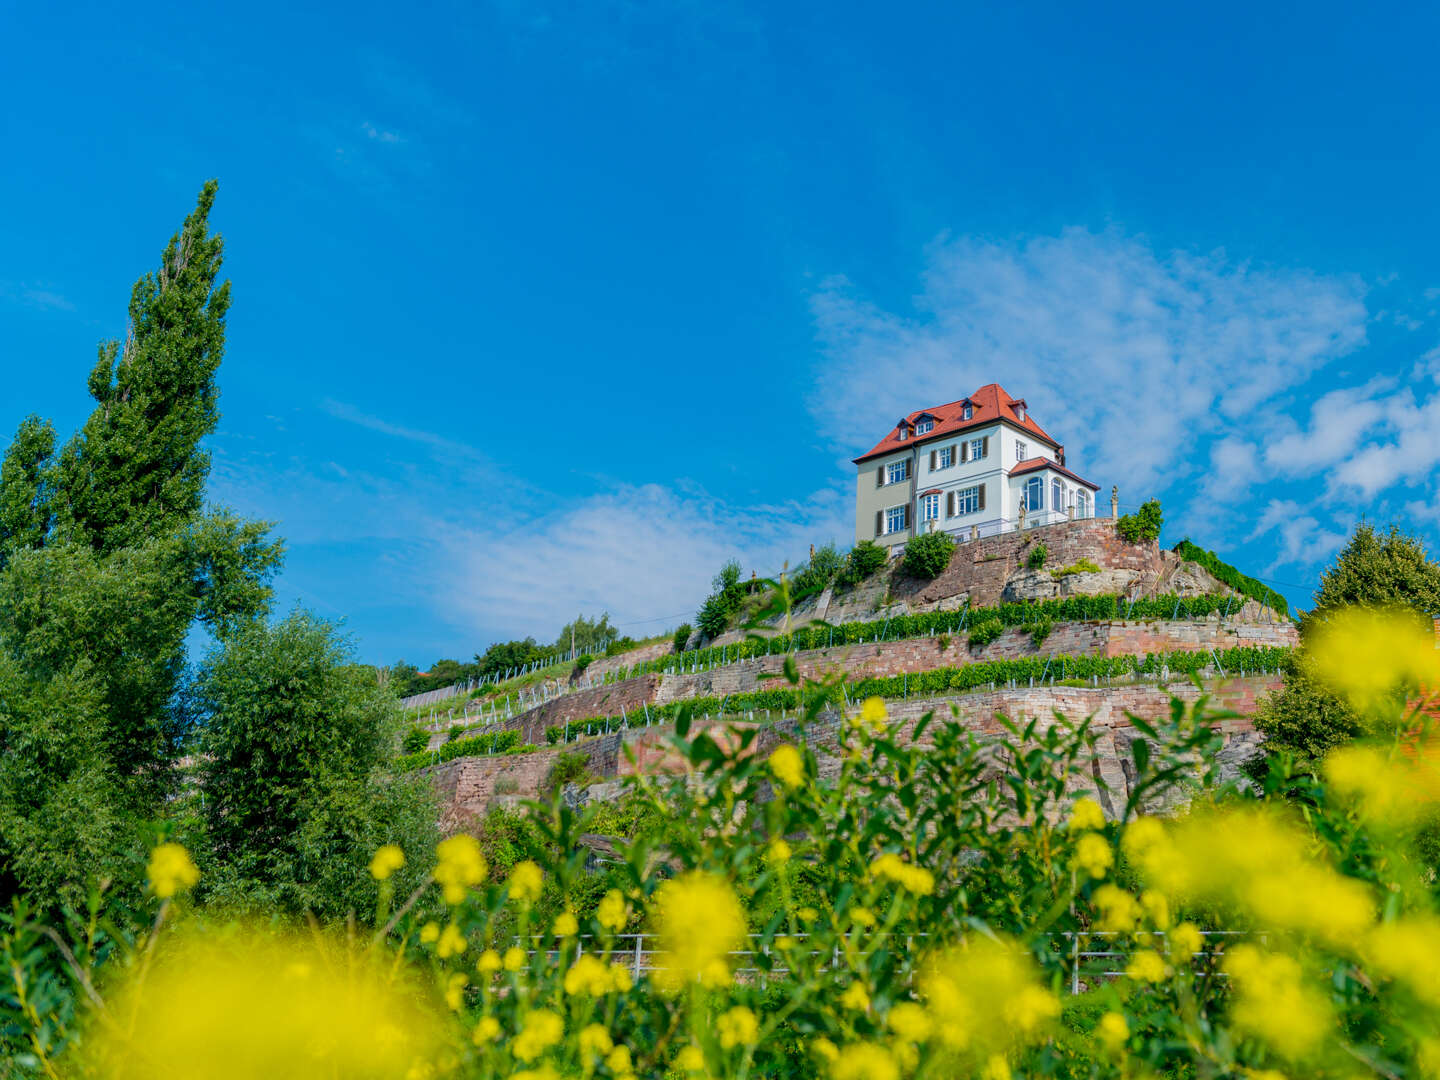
{"points": [[996, 569]]}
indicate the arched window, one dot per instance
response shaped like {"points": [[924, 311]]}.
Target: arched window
{"points": [[1057, 497], [1035, 494], [1082, 503]]}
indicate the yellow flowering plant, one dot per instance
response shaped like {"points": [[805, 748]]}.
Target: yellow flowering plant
{"points": [[886, 900]]}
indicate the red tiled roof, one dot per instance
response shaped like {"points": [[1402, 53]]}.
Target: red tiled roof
{"points": [[1035, 464], [989, 404]]}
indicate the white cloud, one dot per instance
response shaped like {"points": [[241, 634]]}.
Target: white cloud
{"points": [[39, 297], [646, 554], [372, 132], [1134, 358], [1302, 539]]}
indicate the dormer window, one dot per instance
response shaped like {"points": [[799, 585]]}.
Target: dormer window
{"points": [[904, 433], [923, 426], [967, 411]]}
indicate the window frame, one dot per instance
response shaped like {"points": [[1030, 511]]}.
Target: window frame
{"points": [[967, 501], [922, 426], [891, 513], [1036, 485], [930, 507], [977, 449], [903, 465], [1020, 450], [945, 457]]}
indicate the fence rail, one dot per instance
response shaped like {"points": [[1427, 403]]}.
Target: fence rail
{"points": [[1080, 964]]}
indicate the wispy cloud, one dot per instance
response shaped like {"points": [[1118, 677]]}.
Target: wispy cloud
{"points": [[1133, 355], [38, 297], [351, 415], [372, 132]]}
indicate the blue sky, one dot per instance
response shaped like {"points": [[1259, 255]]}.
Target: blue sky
{"points": [[541, 309]]}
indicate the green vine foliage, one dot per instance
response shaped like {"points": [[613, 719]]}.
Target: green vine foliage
{"points": [[1036, 559], [1223, 571], [929, 554], [498, 742]]}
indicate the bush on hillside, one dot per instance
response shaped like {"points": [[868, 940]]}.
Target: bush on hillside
{"points": [[1143, 526], [1079, 566], [581, 663], [682, 636], [864, 559], [928, 554], [724, 601], [1036, 559], [984, 630], [817, 573], [1223, 571], [1040, 630], [415, 740]]}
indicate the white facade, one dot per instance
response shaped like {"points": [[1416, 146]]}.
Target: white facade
{"points": [[964, 481]]}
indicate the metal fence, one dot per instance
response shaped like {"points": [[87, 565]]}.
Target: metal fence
{"points": [[1076, 954]]}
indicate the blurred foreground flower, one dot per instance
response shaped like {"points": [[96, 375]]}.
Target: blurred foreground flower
{"points": [[700, 923], [986, 999], [255, 1005], [1365, 655], [170, 870]]}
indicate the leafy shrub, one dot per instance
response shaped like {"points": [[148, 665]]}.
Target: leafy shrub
{"points": [[864, 559], [498, 742], [984, 630], [1037, 556], [1040, 630], [1143, 526], [621, 645], [1079, 566], [817, 573], [456, 730], [1245, 586], [415, 740], [682, 636], [723, 602], [506, 785], [943, 642], [567, 768], [581, 663], [928, 554]]}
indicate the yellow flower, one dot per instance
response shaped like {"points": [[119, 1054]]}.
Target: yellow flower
{"points": [[540, 1030], [386, 861], [986, 994], [246, 1003], [595, 1041], [1363, 654], [700, 922], [910, 1021], [544, 1072], [1185, 941], [1271, 1002], [778, 852], [914, 879], [618, 1061], [690, 1059], [170, 870], [430, 933], [1118, 910], [1386, 791], [1093, 855], [455, 990], [855, 997], [787, 765], [824, 1049], [1157, 907], [996, 1068], [487, 1030], [566, 925], [460, 866], [1409, 950], [1114, 1032], [620, 978], [873, 714], [737, 1027], [863, 1061], [862, 916], [1146, 965], [1086, 814], [525, 882], [807, 914], [514, 958], [588, 975], [452, 942], [489, 962], [613, 913]]}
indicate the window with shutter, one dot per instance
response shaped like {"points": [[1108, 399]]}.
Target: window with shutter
{"points": [[879, 523], [880, 476], [964, 452], [933, 454], [982, 496], [985, 448], [950, 504], [907, 517]]}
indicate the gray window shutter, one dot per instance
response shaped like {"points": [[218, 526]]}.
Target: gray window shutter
{"points": [[964, 452], [933, 455], [982, 496], [985, 446], [880, 476], [954, 455], [907, 516], [879, 522], [950, 504]]}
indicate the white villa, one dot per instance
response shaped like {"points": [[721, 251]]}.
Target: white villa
{"points": [[976, 467]]}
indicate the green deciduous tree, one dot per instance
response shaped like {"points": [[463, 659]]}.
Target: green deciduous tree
{"points": [[25, 488], [295, 745]]}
